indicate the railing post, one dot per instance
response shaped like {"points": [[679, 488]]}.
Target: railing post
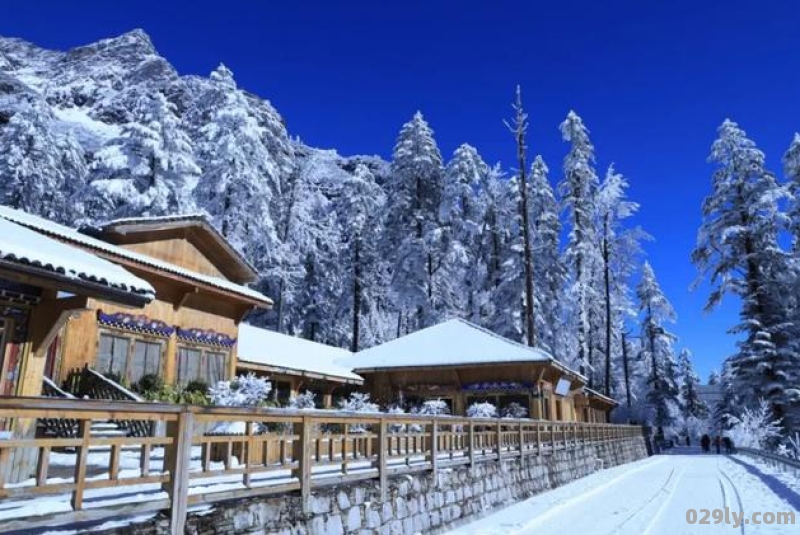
{"points": [[564, 433], [538, 439], [301, 454], [521, 439], [552, 437], [383, 451], [248, 455], [499, 440], [81, 452], [471, 450], [434, 448], [176, 459]]}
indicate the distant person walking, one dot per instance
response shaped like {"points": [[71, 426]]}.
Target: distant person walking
{"points": [[705, 442], [717, 443], [688, 441], [728, 445]]}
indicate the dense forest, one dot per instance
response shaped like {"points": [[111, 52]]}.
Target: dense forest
{"points": [[358, 250]]}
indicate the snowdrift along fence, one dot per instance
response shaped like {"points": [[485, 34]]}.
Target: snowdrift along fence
{"points": [[278, 451]]}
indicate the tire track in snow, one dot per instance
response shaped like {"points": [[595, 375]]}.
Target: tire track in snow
{"points": [[654, 521], [650, 500], [736, 493]]}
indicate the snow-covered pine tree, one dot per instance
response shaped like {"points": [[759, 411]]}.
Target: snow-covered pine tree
{"points": [[791, 168], [360, 209], [240, 176], [579, 191], [498, 216], [657, 311], [39, 169], [509, 295], [412, 241], [737, 248], [692, 406], [148, 169], [461, 214], [620, 250], [519, 127], [548, 269]]}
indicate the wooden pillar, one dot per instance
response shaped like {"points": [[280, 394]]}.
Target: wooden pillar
{"points": [[383, 452], [171, 360], [177, 458], [302, 455]]}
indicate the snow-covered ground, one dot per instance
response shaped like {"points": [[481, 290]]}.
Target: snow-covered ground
{"points": [[650, 497]]}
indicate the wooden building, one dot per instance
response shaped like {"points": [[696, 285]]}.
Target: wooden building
{"points": [[461, 363], [295, 365], [188, 332], [43, 284]]}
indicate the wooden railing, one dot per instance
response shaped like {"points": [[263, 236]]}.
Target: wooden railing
{"points": [[278, 452], [86, 382]]}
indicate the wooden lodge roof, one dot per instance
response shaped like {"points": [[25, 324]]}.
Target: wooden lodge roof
{"points": [[193, 227], [261, 349], [456, 342], [124, 256], [31, 257]]}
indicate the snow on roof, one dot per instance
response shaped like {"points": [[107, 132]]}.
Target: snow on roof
{"points": [[62, 232], [269, 348], [454, 342], [25, 246]]}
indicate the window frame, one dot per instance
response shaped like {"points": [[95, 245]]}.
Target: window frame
{"points": [[132, 338], [203, 368]]}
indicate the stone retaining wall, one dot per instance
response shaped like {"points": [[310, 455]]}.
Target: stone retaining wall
{"points": [[417, 503]]}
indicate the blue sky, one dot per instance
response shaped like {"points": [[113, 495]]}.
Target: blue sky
{"points": [[652, 80]]}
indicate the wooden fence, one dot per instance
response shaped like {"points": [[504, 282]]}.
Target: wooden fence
{"points": [[277, 452]]}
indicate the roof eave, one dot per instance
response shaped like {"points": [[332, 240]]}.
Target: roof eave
{"points": [[89, 288], [270, 368]]}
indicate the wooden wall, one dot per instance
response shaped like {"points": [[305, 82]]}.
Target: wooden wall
{"points": [[81, 335], [449, 382], [177, 251]]}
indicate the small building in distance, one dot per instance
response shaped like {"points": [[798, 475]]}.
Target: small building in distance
{"points": [[461, 364], [296, 365], [188, 332]]}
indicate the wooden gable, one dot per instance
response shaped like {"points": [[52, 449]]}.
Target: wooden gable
{"points": [[186, 241]]}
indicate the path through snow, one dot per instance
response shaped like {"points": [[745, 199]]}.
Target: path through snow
{"points": [[649, 497]]}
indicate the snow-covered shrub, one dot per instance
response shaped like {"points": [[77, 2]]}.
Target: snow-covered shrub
{"points": [[396, 428], [514, 410], [430, 407], [433, 407], [243, 391], [304, 400], [754, 427], [483, 409], [358, 402]]}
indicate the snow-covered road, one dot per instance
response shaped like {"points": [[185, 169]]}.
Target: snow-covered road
{"points": [[652, 497]]}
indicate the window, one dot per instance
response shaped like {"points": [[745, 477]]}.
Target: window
{"points": [[112, 355], [201, 364], [146, 360], [189, 365], [215, 367]]}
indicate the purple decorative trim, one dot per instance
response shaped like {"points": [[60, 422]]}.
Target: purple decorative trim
{"points": [[206, 337], [496, 386], [132, 322]]}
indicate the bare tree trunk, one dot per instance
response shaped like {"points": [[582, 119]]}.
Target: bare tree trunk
{"points": [[607, 276], [626, 370], [356, 295], [520, 126]]}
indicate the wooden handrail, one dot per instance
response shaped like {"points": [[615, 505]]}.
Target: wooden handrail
{"points": [[317, 447]]}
